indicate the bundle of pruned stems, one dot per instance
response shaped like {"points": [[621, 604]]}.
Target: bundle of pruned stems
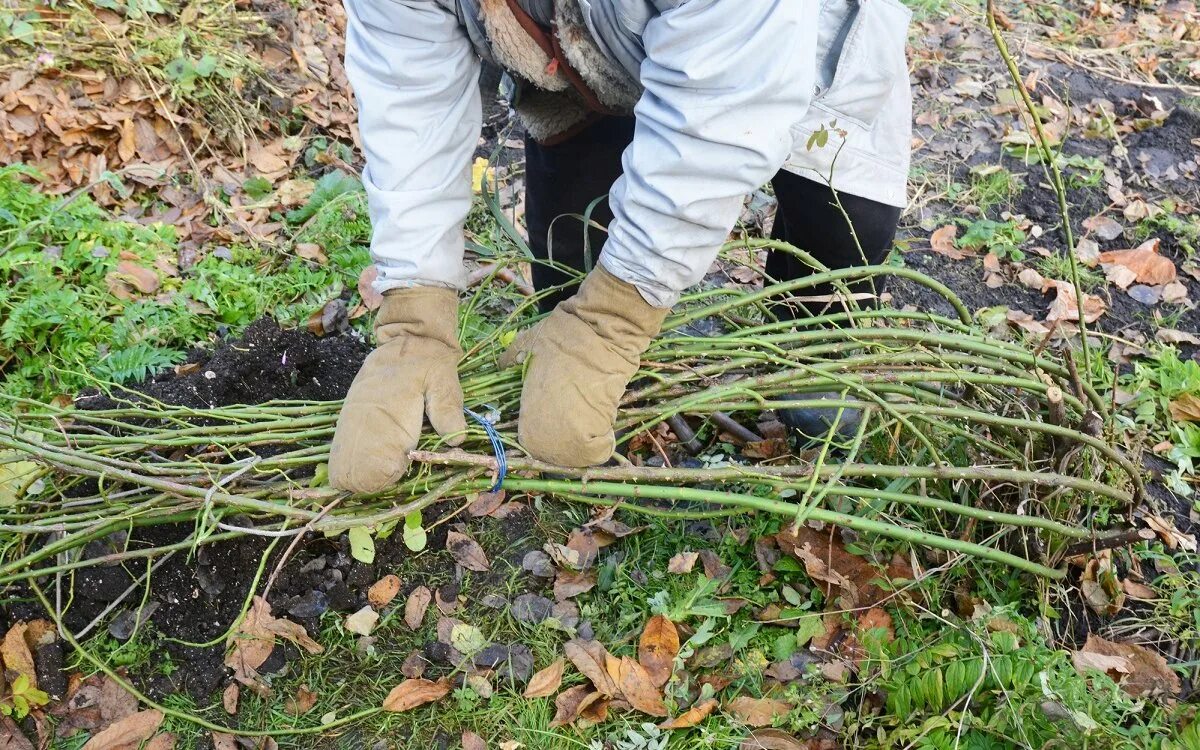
{"points": [[967, 444]]}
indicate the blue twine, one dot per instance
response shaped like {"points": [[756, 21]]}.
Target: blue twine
{"points": [[497, 447]]}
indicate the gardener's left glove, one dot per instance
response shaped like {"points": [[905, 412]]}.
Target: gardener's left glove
{"points": [[580, 358]]}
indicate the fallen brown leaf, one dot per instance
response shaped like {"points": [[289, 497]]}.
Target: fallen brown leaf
{"points": [[693, 716], [414, 608], [591, 659], [1066, 307], [415, 692], [1185, 408], [942, 242], [569, 583], [1138, 670], [571, 702], [302, 702], [757, 712], [546, 681], [1138, 591], [682, 563], [486, 503], [383, 591], [11, 736], [467, 552], [472, 741], [657, 649], [164, 741], [14, 650], [1171, 536], [826, 560], [254, 639], [222, 741], [229, 698], [639, 690], [131, 730], [1144, 262]]}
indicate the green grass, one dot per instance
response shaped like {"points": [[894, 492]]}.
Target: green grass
{"points": [[62, 325]]}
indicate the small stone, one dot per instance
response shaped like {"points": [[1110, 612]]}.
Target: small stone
{"points": [[538, 563], [531, 608], [414, 665], [312, 604], [586, 632], [209, 582], [1147, 295], [494, 601], [437, 652], [491, 656], [314, 565], [566, 613], [519, 667], [124, 624]]}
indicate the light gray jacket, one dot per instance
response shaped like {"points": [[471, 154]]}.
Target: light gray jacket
{"points": [[730, 91]]}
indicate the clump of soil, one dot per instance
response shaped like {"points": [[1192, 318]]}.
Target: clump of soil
{"points": [[266, 363]]}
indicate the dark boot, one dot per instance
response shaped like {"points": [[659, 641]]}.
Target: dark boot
{"points": [[809, 218]]}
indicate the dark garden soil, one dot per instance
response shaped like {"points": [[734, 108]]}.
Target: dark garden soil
{"points": [[195, 598]]}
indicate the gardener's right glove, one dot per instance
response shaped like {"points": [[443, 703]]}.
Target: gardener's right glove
{"points": [[413, 372], [581, 357]]}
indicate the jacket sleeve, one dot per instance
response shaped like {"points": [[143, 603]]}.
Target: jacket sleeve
{"points": [[415, 76], [724, 84]]}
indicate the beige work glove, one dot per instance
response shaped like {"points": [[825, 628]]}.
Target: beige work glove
{"points": [[413, 372], [581, 357]]}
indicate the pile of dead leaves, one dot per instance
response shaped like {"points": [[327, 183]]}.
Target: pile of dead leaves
{"points": [[99, 705]]}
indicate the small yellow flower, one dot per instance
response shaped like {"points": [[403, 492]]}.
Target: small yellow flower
{"points": [[479, 170]]}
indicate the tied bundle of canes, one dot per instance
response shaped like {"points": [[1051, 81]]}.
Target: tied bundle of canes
{"points": [[967, 443]]}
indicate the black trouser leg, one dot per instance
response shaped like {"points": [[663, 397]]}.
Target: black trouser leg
{"points": [[561, 181], [809, 218]]}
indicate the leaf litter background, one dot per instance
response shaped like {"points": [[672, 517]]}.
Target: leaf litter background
{"points": [[156, 137]]}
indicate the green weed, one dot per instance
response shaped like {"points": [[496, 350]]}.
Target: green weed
{"points": [[67, 317]]}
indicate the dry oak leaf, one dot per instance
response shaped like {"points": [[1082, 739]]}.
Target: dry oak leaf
{"points": [[757, 712], [1144, 262], [131, 730], [254, 639], [571, 702], [415, 692], [639, 690], [591, 659], [546, 681], [692, 716], [1138, 670], [383, 591], [942, 242], [467, 552], [657, 649], [414, 608]]}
